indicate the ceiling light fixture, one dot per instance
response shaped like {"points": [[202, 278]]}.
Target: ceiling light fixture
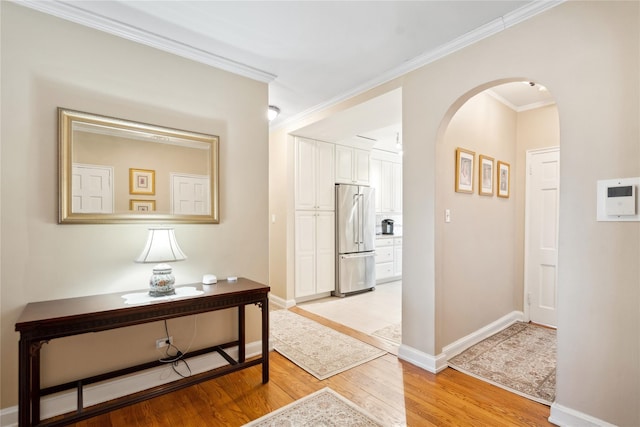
{"points": [[273, 112]]}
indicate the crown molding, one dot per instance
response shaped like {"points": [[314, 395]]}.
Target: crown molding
{"points": [[72, 13], [497, 25], [522, 108]]}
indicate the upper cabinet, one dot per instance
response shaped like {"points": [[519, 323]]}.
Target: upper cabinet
{"points": [[352, 165], [314, 175], [396, 183], [386, 178]]}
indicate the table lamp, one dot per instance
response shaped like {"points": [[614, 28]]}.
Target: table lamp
{"points": [[161, 248]]}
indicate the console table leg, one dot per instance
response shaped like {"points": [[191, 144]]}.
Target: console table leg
{"points": [[29, 382], [24, 384], [265, 340], [34, 356], [241, 334]]}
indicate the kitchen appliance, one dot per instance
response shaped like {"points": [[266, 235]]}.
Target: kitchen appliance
{"points": [[355, 239], [387, 226]]}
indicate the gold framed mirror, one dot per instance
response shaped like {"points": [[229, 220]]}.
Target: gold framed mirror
{"points": [[118, 171]]}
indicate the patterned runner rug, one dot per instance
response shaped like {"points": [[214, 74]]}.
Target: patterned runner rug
{"points": [[317, 349], [520, 358], [391, 333], [322, 408]]}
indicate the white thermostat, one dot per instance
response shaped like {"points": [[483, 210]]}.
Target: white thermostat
{"points": [[621, 200], [617, 199]]}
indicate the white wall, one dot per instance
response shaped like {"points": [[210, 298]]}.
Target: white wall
{"points": [[475, 262], [47, 63], [587, 54]]}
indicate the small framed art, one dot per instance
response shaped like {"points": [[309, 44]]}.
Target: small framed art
{"points": [[142, 181], [485, 175], [464, 170], [504, 175], [142, 205]]}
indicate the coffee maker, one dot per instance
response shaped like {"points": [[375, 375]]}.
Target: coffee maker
{"points": [[387, 226]]}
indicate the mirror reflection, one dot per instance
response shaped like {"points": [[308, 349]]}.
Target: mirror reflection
{"points": [[113, 170]]}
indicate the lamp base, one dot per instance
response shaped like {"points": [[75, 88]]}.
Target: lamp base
{"points": [[162, 281]]}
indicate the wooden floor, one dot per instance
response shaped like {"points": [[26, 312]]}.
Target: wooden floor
{"points": [[396, 392]]}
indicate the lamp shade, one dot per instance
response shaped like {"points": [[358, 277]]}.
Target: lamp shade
{"points": [[161, 247]]}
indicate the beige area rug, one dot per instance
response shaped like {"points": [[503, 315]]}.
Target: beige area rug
{"points": [[520, 358], [317, 349], [322, 408], [391, 333]]}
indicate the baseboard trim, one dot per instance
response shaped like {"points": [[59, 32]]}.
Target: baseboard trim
{"points": [[563, 416], [280, 302], [429, 362], [435, 364], [474, 338], [108, 390]]}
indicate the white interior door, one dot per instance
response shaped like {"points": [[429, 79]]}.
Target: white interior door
{"points": [[190, 194], [91, 189], [541, 235]]}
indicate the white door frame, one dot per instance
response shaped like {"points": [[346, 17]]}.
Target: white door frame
{"points": [[527, 220]]}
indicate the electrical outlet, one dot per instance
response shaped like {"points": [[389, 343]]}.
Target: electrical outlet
{"points": [[163, 342]]}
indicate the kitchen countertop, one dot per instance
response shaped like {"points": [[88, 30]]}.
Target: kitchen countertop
{"points": [[387, 236]]}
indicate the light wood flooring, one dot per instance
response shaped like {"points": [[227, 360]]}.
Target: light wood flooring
{"points": [[396, 392]]}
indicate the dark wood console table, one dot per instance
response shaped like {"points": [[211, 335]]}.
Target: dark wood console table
{"points": [[47, 320]]}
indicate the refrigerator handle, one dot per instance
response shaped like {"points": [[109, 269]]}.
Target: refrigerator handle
{"points": [[356, 223], [360, 218], [358, 255]]}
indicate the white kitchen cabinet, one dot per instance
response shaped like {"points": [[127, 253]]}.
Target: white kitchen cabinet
{"points": [[314, 253], [314, 183], [376, 181], [352, 165], [396, 185], [386, 190], [386, 178], [384, 272], [397, 257], [388, 258]]}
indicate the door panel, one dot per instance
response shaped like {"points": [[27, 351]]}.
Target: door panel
{"points": [[92, 190], [356, 272], [347, 219], [368, 209], [305, 258], [189, 194], [305, 174], [325, 252], [541, 252], [325, 180]]}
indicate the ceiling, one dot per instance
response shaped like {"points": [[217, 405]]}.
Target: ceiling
{"points": [[312, 54]]}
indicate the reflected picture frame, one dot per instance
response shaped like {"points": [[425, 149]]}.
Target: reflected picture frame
{"points": [[142, 182], [504, 179], [142, 206], [465, 160], [485, 175]]}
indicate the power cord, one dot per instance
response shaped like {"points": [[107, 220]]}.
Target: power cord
{"points": [[176, 359]]}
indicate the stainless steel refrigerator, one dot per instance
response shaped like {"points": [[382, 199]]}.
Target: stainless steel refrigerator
{"points": [[355, 239]]}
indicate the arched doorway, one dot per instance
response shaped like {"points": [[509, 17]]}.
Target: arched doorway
{"points": [[481, 248]]}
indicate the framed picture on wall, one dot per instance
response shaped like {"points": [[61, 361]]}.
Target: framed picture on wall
{"points": [[504, 175], [142, 181], [485, 175], [464, 170], [142, 205]]}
